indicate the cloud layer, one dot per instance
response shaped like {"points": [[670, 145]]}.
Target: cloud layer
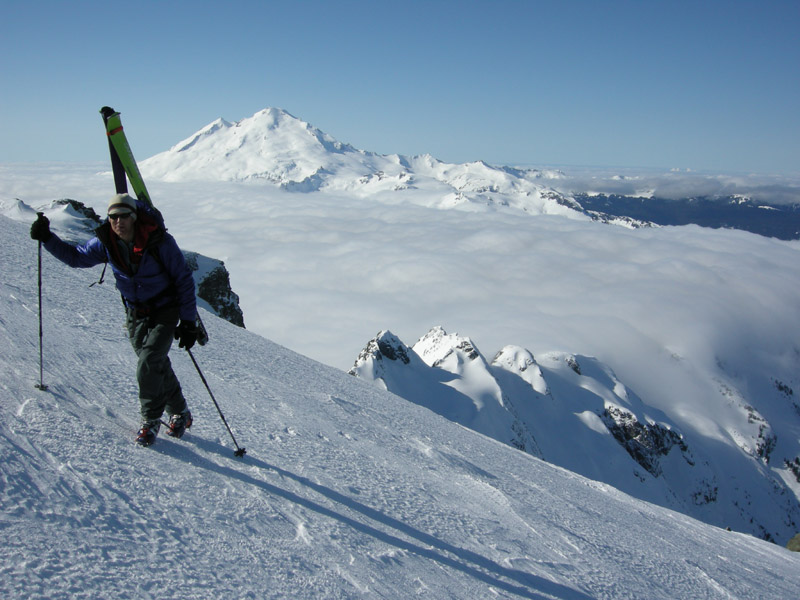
{"points": [[321, 273]]}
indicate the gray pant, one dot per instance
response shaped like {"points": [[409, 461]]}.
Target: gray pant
{"points": [[151, 337]]}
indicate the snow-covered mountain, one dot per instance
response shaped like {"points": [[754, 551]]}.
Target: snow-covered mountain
{"points": [[779, 220], [345, 491], [277, 147], [574, 411]]}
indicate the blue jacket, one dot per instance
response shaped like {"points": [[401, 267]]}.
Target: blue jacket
{"points": [[159, 280]]}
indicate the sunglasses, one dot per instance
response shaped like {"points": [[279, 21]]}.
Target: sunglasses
{"points": [[119, 216]]}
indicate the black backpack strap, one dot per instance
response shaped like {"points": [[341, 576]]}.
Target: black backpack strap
{"points": [[102, 276]]}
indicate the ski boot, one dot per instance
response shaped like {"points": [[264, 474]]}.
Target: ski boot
{"points": [[179, 423], [148, 432]]}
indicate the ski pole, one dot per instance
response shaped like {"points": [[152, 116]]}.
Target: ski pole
{"points": [[41, 384], [239, 451]]}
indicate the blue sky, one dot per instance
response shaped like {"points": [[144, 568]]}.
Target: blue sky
{"points": [[697, 85]]}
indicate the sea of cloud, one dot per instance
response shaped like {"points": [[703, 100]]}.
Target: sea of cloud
{"points": [[322, 273]]}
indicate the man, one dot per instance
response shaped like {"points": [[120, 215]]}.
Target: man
{"points": [[158, 292]]}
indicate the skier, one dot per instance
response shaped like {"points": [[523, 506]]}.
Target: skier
{"points": [[158, 292]]}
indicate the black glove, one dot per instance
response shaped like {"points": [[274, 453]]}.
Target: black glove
{"points": [[186, 332], [40, 230]]}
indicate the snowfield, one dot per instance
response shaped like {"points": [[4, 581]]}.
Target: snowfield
{"points": [[345, 491]]}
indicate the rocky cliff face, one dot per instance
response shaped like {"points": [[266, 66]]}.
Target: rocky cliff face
{"points": [[213, 287]]}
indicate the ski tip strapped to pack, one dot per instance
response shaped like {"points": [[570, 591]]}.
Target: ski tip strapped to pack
{"points": [[112, 121], [122, 161], [107, 111]]}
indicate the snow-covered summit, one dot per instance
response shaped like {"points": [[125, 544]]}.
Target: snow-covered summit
{"points": [[271, 145], [276, 147], [200, 135]]}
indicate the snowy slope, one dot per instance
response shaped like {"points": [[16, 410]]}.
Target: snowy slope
{"points": [[346, 491], [573, 411]]}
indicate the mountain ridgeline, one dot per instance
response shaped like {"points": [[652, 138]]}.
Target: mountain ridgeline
{"points": [[574, 411], [781, 221], [278, 148]]}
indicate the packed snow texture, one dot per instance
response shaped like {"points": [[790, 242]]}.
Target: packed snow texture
{"points": [[346, 491]]}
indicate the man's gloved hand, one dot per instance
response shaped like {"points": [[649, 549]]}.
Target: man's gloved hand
{"points": [[186, 332], [40, 230]]}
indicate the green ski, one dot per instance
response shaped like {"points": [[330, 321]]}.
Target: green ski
{"points": [[122, 159]]}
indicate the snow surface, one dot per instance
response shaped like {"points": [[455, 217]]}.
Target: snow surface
{"points": [[346, 491]]}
